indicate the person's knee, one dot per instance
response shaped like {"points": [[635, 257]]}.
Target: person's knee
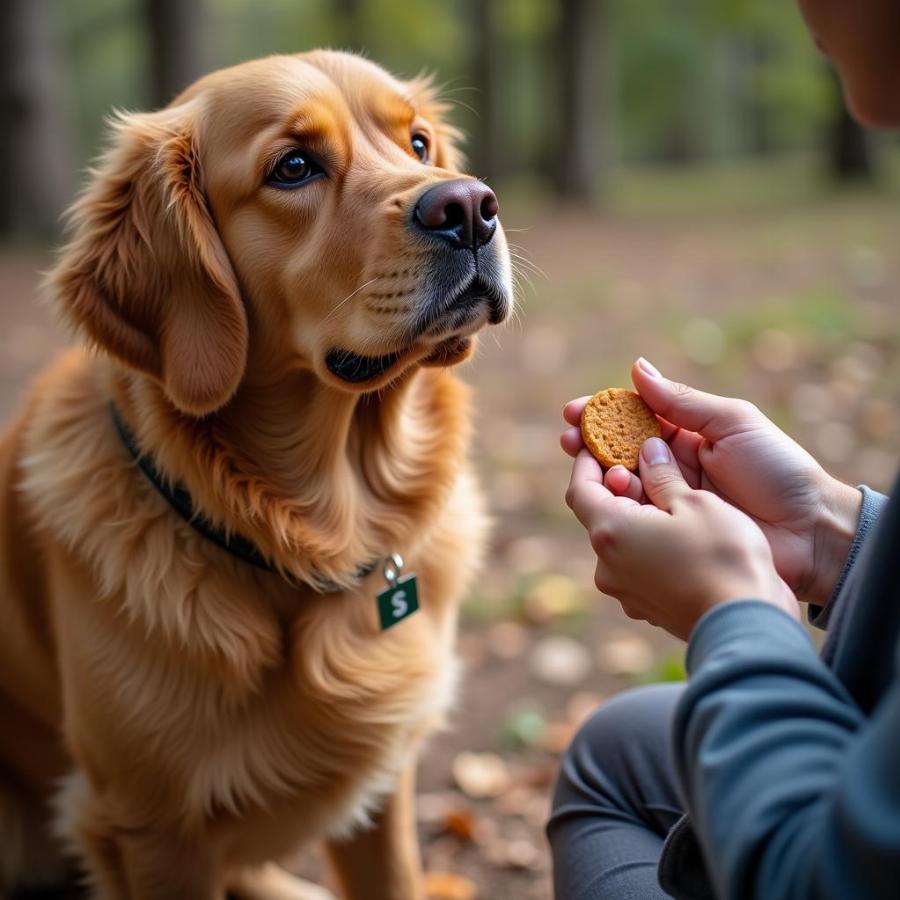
{"points": [[608, 747]]}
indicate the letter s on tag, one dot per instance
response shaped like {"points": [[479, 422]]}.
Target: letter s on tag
{"points": [[399, 604]]}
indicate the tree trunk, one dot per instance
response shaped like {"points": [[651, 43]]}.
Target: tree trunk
{"points": [[755, 113], [487, 132], [178, 45], [349, 21], [851, 159], [37, 158], [586, 96]]}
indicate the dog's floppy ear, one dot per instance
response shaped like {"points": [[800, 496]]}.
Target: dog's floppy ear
{"points": [[145, 276], [426, 99]]}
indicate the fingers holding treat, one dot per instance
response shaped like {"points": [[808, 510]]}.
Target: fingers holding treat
{"points": [[613, 424], [619, 481], [570, 440], [574, 408]]}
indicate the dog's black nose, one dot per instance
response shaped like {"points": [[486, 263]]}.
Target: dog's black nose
{"points": [[462, 212]]}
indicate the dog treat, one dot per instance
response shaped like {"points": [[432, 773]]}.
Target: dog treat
{"points": [[614, 425]]}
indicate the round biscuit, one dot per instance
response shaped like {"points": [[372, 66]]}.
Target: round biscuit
{"points": [[614, 425]]}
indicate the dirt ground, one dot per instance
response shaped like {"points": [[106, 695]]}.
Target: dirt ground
{"points": [[795, 309]]}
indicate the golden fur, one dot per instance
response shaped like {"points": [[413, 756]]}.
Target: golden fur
{"points": [[173, 717]]}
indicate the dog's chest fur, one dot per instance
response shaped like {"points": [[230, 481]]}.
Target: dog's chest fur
{"points": [[223, 707]]}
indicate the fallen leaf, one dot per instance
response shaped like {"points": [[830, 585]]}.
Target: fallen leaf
{"points": [[461, 822], [522, 854], [507, 640], [554, 595], [625, 655], [862, 362], [480, 775], [513, 854], [560, 660], [448, 886]]}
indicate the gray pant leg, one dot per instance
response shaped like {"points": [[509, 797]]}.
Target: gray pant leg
{"points": [[616, 800]]}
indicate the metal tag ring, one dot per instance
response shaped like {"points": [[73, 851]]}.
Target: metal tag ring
{"points": [[393, 567]]}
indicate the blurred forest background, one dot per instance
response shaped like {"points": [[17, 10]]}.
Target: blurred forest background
{"points": [[565, 96], [678, 179]]}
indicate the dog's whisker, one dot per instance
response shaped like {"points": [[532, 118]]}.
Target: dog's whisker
{"points": [[517, 253], [525, 263], [523, 275], [348, 297], [523, 267], [456, 102], [454, 84]]}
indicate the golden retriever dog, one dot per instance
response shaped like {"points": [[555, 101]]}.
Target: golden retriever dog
{"points": [[274, 275]]}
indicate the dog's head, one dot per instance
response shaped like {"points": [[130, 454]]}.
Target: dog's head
{"points": [[294, 212]]}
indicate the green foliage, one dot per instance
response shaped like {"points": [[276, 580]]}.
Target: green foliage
{"points": [[669, 668], [106, 51], [825, 313], [523, 727], [706, 78], [697, 79]]}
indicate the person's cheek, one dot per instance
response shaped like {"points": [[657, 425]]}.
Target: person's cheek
{"points": [[819, 16], [874, 98], [861, 39]]}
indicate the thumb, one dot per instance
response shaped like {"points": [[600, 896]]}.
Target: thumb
{"points": [[712, 416], [662, 479]]}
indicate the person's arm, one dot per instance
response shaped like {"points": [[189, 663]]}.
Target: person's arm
{"points": [[872, 505], [792, 792]]}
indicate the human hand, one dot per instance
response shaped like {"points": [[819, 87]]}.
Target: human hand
{"points": [[675, 558], [730, 448]]}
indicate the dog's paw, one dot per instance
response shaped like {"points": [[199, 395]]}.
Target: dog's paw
{"points": [[271, 882]]}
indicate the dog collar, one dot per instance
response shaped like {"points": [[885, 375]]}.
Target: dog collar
{"points": [[181, 501]]}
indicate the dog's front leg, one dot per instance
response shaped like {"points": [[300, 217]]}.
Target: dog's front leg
{"points": [[125, 861], [382, 862]]}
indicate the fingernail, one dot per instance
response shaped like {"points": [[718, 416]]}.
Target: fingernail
{"points": [[649, 368], [655, 452]]}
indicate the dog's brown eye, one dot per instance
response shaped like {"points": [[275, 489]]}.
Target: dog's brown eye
{"points": [[419, 144], [293, 169]]}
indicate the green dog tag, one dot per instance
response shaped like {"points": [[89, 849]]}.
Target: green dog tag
{"points": [[398, 601]]}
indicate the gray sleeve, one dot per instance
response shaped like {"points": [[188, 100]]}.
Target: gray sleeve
{"points": [[792, 792], [872, 505]]}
